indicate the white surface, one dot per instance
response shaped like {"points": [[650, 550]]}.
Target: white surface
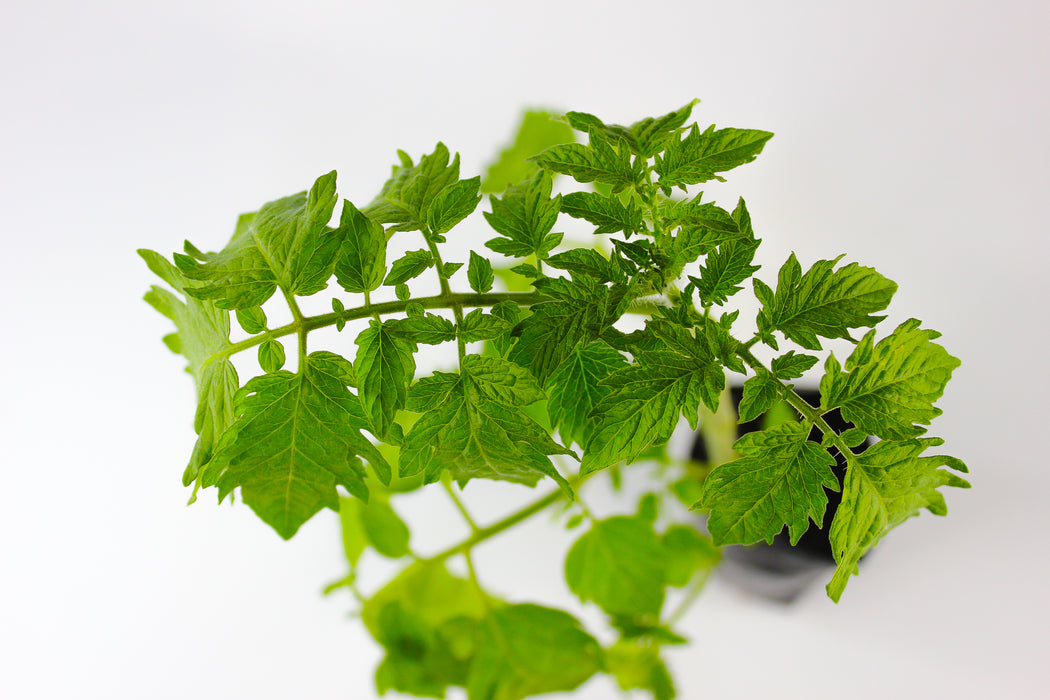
{"points": [[912, 135]]}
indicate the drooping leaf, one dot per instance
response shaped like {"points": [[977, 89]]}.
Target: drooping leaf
{"points": [[646, 399], [361, 264], [528, 649], [523, 217], [575, 388], [383, 367], [355, 541], [287, 243], [296, 437], [891, 385], [608, 214], [620, 564], [822, 302], [886, 484], [405, 200], [779, 480], [700, 156], [203, 332], [385, 530]]}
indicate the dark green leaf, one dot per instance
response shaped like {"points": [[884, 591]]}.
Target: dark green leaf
{"points": [[430, 392], [779, 480], [361, 264], [295, 439], [479, 273], [429, 329], [575, 388], [726, 267], [587, 261], [527, 650], [886, 484], [413, 264], [478, 325], [700, 156], [608, 214], [383, 367], [823, 301], [890, 385], [619, 564]]}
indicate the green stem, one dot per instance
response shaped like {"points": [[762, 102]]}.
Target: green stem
{"points": [[459, 504], [446, 292], [695, 589], [310, 323], [299, 321]]}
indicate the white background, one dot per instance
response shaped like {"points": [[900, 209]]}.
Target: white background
{"points": [[911, 135]]}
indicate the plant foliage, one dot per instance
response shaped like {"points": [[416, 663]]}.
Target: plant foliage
{"points": [[548, 381]]}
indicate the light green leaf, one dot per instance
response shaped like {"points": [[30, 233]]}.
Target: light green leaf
{"points": [[779, 480], [637, 665], [478, 325], [385, 530], [295, 439], [608, 214], [536, 133], [252, 319], [527, 650], [686, 551], [453, 204], [287, 243], [890, 385], [646, 400], [523, 216], [271, 356], [823, 301], [885, 485], [575, 388], [383, 367], [700, 156], [406, 197], [361, 264], [479, 273], [203, 332], [412, 264], [355, 541], [620, 564], [652, 134], [792, 366], [725, 268]]}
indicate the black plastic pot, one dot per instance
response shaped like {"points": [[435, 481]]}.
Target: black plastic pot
{"points": [[781, 571]]}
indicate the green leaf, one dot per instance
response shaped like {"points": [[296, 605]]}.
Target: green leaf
{"points": [[792, 366], [620, 564], [726, 267], [823, 302], [429, 329], [412, 264], [637, 665], [646, 399], [608, 214], [385, 530], [885, 485], [361, 264], [474, 436], [430, 392], [575, 388], [686, 551], [760, 392], [587, 261], [700, 156], [271, 356], [590, 124], [598, 161], [453, 204], [890, 385], [526, 650], [428, 621], [536, 133], [406, 198], [252, 319], [502, 381], [478, 325], [203, 332], [779, 480], [287, 243], [523, 217], [384, 366], [355, 541], [295, 439], [479, 273], [652, 134]]}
